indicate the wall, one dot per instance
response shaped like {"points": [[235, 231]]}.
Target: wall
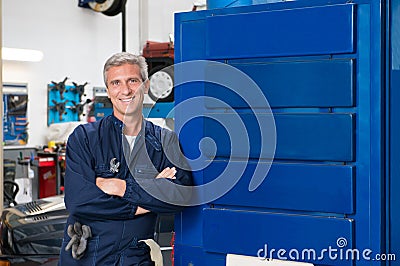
{"points": [[1, 132], [159, 17], [75, 42]]}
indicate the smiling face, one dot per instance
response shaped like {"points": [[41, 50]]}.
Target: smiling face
{"points": [[126, 89]]}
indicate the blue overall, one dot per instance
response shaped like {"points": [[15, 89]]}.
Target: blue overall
{"points": [[100, 150]]}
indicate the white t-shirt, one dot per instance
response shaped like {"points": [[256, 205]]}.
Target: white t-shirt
{"points": [[131, 141]]}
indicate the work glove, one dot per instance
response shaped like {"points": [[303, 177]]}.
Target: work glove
{"points": [[155, 251], [79, 235]]}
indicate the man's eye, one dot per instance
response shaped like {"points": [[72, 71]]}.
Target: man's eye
{"points": [[134, 81], [115, 83]]}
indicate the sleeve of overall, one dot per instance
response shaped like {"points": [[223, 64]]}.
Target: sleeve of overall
{"points": [[82, 197], [161, 195]]}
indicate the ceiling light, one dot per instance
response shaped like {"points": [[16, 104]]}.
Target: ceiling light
{"points": [[16, 54]]}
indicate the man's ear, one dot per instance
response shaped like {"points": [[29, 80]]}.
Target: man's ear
{"points": [[146, 86], [108, 94]]}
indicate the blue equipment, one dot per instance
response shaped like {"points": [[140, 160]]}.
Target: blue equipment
{"points": [[15, 120], [330, 71], [64, 102]]}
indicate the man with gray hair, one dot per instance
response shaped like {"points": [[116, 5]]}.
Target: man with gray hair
{"points": [[121, 172]]}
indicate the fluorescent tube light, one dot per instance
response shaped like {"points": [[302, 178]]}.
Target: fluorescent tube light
{"points": [[16, 54]]}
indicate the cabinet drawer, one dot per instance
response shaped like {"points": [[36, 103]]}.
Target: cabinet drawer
{"points": [[319, 83], [246, 232], [321, 137], [290, 186], [301, 31]]}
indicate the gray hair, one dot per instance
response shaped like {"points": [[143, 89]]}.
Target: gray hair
{"points": [[123, 58]]}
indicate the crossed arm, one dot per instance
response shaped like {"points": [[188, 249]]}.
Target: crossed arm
{"points": [[117, 187], [87, 195]]}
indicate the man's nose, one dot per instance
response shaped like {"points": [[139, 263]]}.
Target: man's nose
{"points": [[126, 89]]}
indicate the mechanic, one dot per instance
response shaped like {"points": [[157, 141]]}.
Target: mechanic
{"points": [[121, 171]]}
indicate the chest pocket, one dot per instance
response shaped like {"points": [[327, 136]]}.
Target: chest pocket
{"points": [[145, 172]]}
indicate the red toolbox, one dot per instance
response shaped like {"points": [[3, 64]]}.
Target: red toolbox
{"points": [[47, 172], [158, 49]]}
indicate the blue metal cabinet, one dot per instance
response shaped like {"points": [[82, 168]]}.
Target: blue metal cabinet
{"points": [[330, 72]]}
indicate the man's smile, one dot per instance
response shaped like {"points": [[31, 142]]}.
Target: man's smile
{"points": [[127, 100]]}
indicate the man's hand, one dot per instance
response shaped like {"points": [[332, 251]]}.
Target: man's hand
{"points": [[141, 210], [111, 186], [116, 187], [167, 173]]}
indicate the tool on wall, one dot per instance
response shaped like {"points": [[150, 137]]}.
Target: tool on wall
{"points": [[59, 107], [78, 107], [80, 89], [60, 87], [107, 7]]}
